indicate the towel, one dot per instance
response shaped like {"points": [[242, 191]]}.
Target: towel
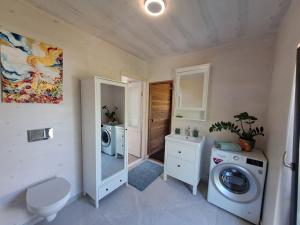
{"points": [[229, 146]]}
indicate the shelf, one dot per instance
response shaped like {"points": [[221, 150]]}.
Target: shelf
{"points": [[191, 109], [186, 118]]}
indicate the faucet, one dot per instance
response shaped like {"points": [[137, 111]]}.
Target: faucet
{"points": [[188, 131]]}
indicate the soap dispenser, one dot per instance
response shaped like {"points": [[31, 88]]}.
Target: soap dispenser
{"points": [[195, 132]]}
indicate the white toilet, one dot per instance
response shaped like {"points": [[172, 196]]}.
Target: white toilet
{"points": [[47, 198]]}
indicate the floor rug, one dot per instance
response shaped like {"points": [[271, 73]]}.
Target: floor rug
{"points": [[144, 174]]}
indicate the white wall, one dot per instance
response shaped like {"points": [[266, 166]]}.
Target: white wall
{"points": [[284, 65], [239, 81], [23, 164], [113, 96]]}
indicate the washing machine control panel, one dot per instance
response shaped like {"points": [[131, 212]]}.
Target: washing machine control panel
{"points": [[254, 162]]}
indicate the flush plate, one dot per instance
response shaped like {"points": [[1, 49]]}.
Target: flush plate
{"points": [[39, 134]]}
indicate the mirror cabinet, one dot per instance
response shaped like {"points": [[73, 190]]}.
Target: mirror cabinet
{"points": [[191, 92], [104, 136]]}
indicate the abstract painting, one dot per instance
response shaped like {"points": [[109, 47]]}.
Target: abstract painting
{"points": [[31, 71]]}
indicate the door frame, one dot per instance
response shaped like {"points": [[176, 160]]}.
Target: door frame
{"points": [[296, 146], [149, 108]]}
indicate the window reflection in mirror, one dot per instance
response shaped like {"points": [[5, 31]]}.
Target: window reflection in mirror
{"points": [[191, 91]]}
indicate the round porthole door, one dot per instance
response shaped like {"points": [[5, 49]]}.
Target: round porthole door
{"points": [[235, 182], [106, 139]]}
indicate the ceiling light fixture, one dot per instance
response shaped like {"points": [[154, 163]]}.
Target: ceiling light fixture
{"points": [[155, 7]]}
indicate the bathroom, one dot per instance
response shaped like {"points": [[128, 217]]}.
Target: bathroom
{"points": [[251, 74]]}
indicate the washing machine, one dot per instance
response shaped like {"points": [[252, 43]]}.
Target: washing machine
{"points": [[107, 139], [236, 182]]}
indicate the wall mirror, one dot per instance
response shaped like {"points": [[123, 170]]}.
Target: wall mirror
{"points": [[112, 130], [192, 92]]}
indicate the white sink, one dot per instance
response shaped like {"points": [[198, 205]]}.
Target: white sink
{"points": [[177, 137]]}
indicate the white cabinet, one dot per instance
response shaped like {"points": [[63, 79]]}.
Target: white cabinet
{"points": [[183, 159], [120, 141], [102, 172]]}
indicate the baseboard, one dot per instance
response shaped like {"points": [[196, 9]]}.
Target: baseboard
{"points": [[135, 163], [155, 161], [37, 219]]}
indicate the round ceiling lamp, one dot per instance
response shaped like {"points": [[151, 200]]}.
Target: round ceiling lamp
{"points": [[155, 7]]}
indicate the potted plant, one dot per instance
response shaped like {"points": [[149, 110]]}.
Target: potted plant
{"points": [[245, 131], [110, 114]]}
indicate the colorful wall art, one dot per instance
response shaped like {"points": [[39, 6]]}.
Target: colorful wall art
{"points": [[32, 71]]}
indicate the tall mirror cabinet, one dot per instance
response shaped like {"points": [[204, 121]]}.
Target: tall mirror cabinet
{"points": [[104, 136]]}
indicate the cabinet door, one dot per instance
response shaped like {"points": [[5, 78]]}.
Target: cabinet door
{"points": [[180, 169], [181, 151], [191, 92], [112, 113]]}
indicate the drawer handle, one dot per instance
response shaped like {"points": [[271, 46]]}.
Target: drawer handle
{"points": [[179, 152], [106, 189], [178, 165]]}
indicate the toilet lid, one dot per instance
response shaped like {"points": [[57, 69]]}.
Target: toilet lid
{"points": [[48, 193]]}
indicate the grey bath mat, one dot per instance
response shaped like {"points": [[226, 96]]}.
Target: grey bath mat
{"points": [[144, 174]]}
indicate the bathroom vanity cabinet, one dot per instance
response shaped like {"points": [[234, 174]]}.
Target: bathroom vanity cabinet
{"points": [[183, 156], [103, 171]]}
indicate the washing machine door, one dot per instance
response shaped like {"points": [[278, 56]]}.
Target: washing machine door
{"points": [[235, 182], [106, 138]]}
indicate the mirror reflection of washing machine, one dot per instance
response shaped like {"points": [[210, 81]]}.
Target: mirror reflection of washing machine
{"points": [[107, 139]]}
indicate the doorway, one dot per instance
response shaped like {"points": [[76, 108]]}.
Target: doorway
{"points": [[289, 192], [159, 122], [135, 119], [295, 193]]}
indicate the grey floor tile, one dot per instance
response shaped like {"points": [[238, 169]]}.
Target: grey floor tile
{"points": [[161, 203]]}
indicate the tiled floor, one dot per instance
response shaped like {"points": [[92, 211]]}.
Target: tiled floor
{"points": [[162, 203]]}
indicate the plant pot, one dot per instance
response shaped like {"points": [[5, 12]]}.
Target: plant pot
{"points": [[112, 122], [247, 145]]}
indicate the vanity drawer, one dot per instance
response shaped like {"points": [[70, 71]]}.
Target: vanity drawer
{"points": [[180, 169], [110, 186], [181, 151]]}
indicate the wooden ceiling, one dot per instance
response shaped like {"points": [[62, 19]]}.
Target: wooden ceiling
{"points": [[186, 26]]}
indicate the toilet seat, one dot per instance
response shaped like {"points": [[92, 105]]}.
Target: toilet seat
{"points": [[48, 197]]}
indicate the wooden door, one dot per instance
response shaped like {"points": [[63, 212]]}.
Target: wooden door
{"points": [[160, 110]]}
